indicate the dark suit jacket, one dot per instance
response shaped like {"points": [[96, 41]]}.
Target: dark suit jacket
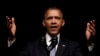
{"points": [[65, 48], [13, 50], [84, 47], [16, 47]]}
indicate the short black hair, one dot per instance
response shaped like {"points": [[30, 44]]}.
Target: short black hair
{"points": [[53, 8]]}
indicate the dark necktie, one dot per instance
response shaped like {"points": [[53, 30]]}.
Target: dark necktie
{"points": [[52, 49]]}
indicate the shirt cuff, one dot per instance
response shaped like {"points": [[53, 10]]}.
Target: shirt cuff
{"points": [[11, 42], [90, 47]]}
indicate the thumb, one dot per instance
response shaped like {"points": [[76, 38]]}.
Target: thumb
{"points": [[13, 20], [88, 25]]}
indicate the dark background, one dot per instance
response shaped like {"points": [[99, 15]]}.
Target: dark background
{"points": [[29, 14]]}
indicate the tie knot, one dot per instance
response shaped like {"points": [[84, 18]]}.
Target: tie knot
{"points": [[54, 42], [54, 38]]}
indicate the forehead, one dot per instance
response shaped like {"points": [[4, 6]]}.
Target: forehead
{"points": [[53, 12]]}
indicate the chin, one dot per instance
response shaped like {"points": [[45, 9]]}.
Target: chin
{"points": [[54, 33]]}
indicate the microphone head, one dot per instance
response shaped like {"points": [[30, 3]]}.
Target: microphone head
{"points": [[43, 42]]}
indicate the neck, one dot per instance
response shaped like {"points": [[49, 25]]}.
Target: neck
{"points": [[52, 35]]}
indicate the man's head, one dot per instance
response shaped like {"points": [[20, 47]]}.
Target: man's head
{"points": [[53, 20]]}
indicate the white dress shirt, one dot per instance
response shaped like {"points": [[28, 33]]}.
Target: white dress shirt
{"points": [[48, 38], [90, 47], [11, 42]]}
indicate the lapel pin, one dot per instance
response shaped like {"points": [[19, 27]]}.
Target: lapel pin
{"points": [[63, 45]]}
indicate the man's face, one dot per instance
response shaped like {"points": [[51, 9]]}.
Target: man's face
{"points": [[53, 21]]}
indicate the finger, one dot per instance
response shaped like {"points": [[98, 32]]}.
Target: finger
{"points": [[92, 23], [10, 26], [88, 25], [10, 21], [92, 30], [8, 18], [91, 27], [89, 30], [13, 21]]}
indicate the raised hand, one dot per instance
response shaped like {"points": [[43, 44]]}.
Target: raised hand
{"points": [[90, 30], [11, 26]]}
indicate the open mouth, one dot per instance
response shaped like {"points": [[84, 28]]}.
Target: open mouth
{"points": [[53, 27]]}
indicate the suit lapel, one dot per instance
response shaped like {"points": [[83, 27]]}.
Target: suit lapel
{"points": [[61, 47], [43, 51], [42, 46]]}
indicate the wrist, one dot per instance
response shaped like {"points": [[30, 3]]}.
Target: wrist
{"points": [[11, 38]]}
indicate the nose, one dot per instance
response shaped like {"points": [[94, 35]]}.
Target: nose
{"points": [[53, 20]]}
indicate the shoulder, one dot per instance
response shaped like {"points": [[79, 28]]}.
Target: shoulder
{"points": [[71, 43], [32, 43]]}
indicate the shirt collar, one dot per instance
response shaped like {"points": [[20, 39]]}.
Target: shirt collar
{"points": [[48, 38]]}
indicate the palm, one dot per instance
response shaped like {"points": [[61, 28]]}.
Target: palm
{"points": [[13, 29], [90, 30], [88, 34], [11, 25]]}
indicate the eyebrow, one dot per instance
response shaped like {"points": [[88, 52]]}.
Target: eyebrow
{"points": [[50, 17]]}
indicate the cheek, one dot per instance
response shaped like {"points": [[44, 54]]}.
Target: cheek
{"points": [[60, 23], [47, 23]]}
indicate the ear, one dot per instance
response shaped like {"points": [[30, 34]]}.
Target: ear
{"points": [[63, 23], [43, 22]]}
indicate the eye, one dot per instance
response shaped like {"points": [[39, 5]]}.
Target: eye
{"points": [[56, 17], [48, 18]]}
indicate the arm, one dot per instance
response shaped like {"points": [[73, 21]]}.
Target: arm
{"points": [[90, 33], [12, 30]]}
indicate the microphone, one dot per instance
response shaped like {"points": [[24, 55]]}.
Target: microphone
{"points": [[43, 42]]}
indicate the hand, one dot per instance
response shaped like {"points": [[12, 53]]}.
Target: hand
{"points": [[90, 30], [11, 26]]}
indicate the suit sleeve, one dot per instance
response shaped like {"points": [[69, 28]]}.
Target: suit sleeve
{"points": [[27, 50], [76, 50]]}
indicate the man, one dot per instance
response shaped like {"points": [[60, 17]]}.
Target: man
{"points": [[52, 44]]}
